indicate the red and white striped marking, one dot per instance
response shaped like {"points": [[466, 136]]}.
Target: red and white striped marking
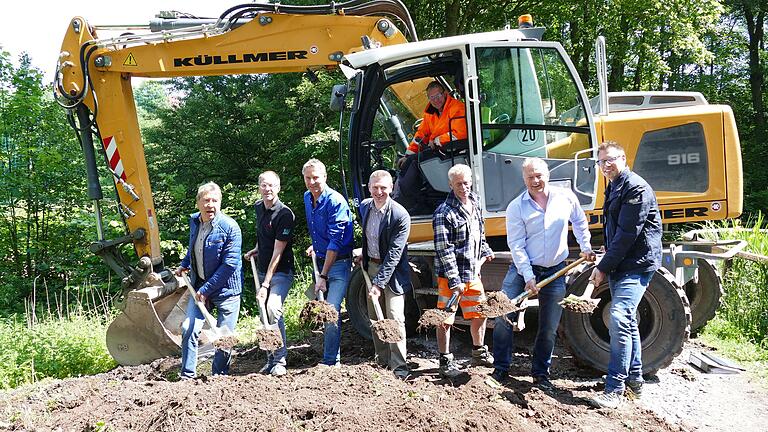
{"points": [[110, 146]]}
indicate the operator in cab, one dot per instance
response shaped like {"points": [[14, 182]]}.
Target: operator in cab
{"points": [[216, 272], [444, 121]]}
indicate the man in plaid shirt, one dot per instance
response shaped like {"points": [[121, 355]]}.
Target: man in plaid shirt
{"points": [[460, 251]]}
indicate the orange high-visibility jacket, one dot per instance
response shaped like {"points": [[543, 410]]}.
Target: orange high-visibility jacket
{"points": [[449, 125]]}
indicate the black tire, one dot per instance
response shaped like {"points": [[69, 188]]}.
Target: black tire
{"points": [[357, 304], [705, 293], [357, 307], [664, 321]]}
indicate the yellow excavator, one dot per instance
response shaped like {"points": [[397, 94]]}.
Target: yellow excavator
{"points": [[523, 98]]}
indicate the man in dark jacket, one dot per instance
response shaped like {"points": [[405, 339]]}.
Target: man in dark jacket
{"points": [[386, 225], [214, 263], [633, 253]]}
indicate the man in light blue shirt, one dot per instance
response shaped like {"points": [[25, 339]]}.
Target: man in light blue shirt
{"points": [[537, 235]]}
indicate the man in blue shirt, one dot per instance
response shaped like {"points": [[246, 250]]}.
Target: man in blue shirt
{"points": [[632, 230], [213, 260], [329, 220], [537, 235]]}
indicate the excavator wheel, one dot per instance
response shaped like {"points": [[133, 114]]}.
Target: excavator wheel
{"points": [[664, 318], [705, 292]]}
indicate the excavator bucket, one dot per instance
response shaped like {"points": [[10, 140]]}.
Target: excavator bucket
{"points": [[148, 328]]}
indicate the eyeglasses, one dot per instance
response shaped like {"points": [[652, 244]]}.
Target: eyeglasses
{"points": [[610, 160], [435, 97]]}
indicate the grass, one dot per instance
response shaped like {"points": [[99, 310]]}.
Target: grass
{"points": [[728, 339], [57, 347], [740, 328]]}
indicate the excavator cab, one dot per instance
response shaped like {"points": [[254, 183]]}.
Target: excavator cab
{"points": [[522, 98]]}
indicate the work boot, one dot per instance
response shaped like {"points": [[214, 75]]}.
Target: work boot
{"points": [[610, 400], [448, 366], [635, 388], [482, 357], [543, 383]]}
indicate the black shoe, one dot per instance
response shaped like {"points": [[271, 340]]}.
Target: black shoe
{"points": [[500, 376], [636, 387], [543, 383]]}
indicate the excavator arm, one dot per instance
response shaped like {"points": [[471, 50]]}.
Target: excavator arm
{"points": [[93, 81]]}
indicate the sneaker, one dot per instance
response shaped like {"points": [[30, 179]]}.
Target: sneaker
{"points": [[482, 357], [635, 387], [448, 366], [500, 376], [610, 400], [266, 368], [278, 370], [543, 383]]}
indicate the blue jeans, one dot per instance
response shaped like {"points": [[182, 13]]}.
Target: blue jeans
{"points": [[549, 319], [278, 291], [338, 280], [228, 310], [626, 363]]}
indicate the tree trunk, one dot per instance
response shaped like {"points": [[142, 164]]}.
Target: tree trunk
{"points": [[755, 20]]}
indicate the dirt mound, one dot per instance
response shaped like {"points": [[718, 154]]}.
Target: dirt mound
{"points": [[269, 340], [355, 397]]}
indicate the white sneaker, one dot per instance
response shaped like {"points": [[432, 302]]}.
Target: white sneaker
{"points": [[610, 400]]}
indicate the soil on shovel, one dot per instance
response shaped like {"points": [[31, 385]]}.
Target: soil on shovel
{"points": [[226, 343], [433, 318], [578, 305], [269, 340], [496, 304], [387, 330], [317, 313]]}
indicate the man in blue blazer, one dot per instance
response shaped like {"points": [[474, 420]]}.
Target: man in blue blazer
{"points": [[386, 225], [213, 260]]}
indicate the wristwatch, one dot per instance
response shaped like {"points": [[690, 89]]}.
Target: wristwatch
{"points": [[323, 277]]}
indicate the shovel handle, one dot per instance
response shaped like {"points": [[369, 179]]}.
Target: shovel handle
{"points": [[560, 272], [255, 274], [369, 285], [208, 317], [451, 301], [320, 295]]}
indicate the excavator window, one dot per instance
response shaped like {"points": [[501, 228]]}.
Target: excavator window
{"points": [[530, 107]]}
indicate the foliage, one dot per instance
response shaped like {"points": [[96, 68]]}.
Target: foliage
{"points": [[58, 347], [745, 304], [728, 339]]}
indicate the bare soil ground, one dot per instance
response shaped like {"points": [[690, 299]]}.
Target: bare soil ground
{"points": [[360, 396]]}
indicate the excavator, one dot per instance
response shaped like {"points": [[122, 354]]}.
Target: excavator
{"points": [[523, 98]]}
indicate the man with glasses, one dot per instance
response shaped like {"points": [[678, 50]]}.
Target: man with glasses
{"points": [[632, 231], [444, 121]]}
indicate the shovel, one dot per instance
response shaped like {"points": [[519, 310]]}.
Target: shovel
{"points": [[381, 323], [525, 294], [262, 306], [224, 339], [320, 294], [583, 303], [435, 317]]}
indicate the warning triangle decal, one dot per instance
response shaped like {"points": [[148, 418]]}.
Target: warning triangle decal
{"points": [[130, 60]]}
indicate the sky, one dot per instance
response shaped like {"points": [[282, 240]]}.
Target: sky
{"points": [[38, 26]]}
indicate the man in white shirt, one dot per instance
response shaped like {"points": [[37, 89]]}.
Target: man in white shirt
{"points": [[537, 235]]}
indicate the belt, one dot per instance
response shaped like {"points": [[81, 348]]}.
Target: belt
{"points": [[543, 269], [338, 258], [376, 260]]}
